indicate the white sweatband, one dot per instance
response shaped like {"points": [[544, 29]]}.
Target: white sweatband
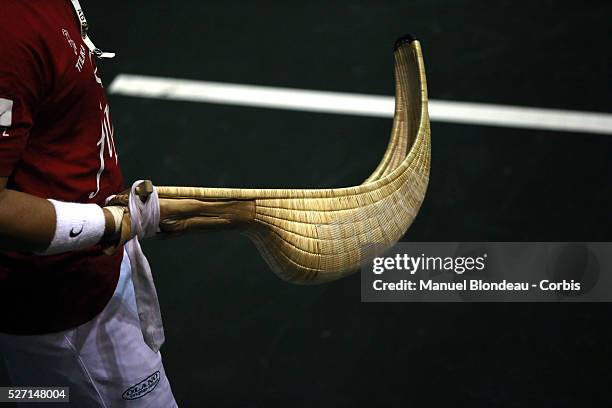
{"points": [[77, 226]]}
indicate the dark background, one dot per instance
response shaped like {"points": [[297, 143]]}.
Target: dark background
{"points": [[239, 336]]}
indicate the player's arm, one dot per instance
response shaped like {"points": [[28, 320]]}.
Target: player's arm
{"points": [[28, 223]]}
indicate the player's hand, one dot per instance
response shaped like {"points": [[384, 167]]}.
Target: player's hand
{"points": [[177, 216]]}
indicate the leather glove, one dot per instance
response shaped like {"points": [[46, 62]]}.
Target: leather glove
{"points": [[177, 216]]}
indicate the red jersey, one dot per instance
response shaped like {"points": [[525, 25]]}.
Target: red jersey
{"points": [[56, 142]]}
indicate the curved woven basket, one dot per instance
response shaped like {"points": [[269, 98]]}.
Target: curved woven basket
{"points": [[316, 235]]}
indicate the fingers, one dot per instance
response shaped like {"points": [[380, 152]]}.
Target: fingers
{"points": [[193, 224], [183, 208], [185, 214]]}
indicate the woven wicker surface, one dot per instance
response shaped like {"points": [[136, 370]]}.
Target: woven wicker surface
{"points": [[316, 235]]}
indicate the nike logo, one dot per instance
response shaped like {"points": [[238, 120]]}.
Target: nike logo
{"points": [[5, 134], [75, 234]]}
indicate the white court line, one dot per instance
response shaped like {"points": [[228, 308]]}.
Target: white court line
{"points": [[358, 104]]}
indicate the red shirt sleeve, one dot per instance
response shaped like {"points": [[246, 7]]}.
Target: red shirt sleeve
{"points": [[21, 88]]}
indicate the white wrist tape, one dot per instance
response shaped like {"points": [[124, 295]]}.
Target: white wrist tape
{"points": [[77, 226], [117, 213]]}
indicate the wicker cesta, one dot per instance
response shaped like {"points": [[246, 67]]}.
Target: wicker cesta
{"points": [[310, 236]]}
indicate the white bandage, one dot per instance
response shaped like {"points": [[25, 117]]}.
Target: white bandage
{"points": [[117, 212], [77, 226], [145, 223]]}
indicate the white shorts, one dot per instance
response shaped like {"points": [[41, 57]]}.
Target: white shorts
{"points": [[105, 361]]}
